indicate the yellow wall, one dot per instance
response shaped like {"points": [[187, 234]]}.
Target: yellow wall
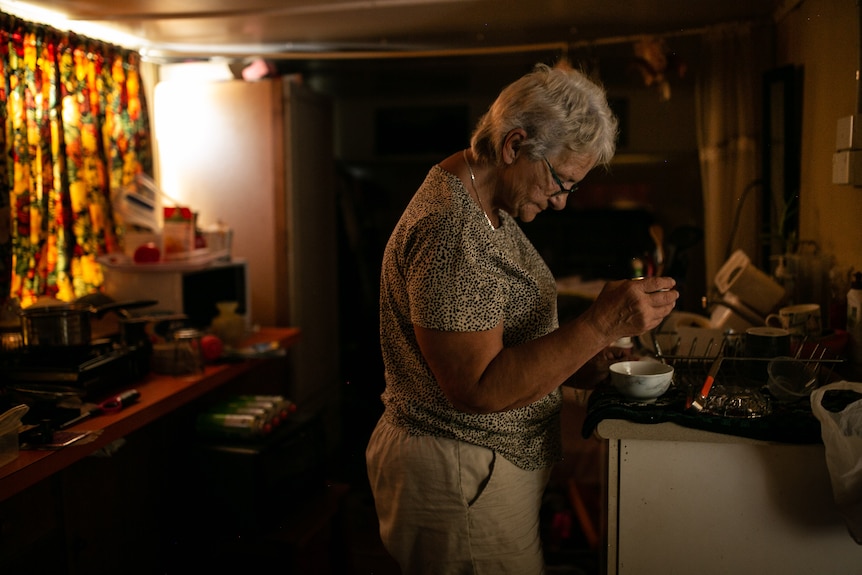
{"points": [[823, 37]]}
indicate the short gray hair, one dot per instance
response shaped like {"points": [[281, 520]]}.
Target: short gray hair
{"points": [[558, 107]]}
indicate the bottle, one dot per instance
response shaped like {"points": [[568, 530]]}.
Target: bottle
{"points": [[230, 425], [854, 318], [228, 325]]}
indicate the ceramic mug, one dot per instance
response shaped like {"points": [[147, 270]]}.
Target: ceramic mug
{"points": [[767, 342], [764, 342], [802, 320]]}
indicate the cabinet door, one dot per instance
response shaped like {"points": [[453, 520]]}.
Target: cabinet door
{"points": [[715, 508], [310, 247]]}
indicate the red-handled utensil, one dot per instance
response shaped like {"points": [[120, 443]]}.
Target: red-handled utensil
{"points": [[696, 403], [110, 405]]}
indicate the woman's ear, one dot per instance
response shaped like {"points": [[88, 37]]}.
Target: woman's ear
{"points": [[512, 145]]}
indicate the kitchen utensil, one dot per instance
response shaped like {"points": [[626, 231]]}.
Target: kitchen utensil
{"points": [[700, 342], [790, 379], [656, 233], [728, 312], [682, 333], [183, 355], [696, 403], [10, 326], [767, 341], [756, 289], [642, 380], [67, 324], [110, 405]]}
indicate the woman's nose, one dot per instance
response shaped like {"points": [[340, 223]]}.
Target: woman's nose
{"points": [[558, 202]]}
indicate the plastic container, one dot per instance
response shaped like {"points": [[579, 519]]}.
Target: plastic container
{"points": [[790, 379], [754, 288], [10, 422]]}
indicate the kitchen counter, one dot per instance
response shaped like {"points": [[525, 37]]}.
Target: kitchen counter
{"points": [[133, 496], [683, 500], [160, 395]]}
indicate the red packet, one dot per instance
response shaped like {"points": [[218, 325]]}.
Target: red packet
{"points": [[178, 232]]}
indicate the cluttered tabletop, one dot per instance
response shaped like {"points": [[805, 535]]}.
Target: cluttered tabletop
{"points": [[735, 384], [123, 408], [746, 366]]}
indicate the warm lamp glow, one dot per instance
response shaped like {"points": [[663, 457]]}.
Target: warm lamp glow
{"points": [[187, 136]]}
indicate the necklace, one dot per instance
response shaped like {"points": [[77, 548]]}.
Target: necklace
{"points": [[476, 191]]}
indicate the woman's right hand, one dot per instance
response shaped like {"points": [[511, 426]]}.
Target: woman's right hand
{"points": [[628, 308]]}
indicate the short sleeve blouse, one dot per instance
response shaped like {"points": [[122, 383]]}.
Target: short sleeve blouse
{"points": [[444, 268]]}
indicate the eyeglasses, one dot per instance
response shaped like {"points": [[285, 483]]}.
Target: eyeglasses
{"points": [[563, 190]]}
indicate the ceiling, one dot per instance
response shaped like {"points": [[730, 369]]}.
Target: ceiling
{"points": [[351, 28]]}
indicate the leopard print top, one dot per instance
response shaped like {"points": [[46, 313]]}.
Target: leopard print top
{"points": [[444, 268]]}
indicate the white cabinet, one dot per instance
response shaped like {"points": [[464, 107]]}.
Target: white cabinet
{"points": [[683, 501]]}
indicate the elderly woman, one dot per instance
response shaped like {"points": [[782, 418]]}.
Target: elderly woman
{"points": [[473, 352]]}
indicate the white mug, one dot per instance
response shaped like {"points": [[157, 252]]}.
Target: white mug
{"points": [[802, 320]]}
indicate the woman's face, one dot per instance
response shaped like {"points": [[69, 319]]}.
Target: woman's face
{"points": [[529, 187]]}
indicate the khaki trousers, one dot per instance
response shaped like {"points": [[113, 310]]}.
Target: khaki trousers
{"points": [[451, 508]]}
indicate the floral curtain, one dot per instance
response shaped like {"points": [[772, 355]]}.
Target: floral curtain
{"points": [[75, 128]]}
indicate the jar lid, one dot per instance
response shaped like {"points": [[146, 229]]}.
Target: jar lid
{"points": [[188, 333]]}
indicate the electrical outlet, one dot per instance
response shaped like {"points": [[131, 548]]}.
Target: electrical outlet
{"points": [[847, 167]]}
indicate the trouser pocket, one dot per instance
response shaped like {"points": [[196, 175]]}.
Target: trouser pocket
{"points": [[476, 468]]}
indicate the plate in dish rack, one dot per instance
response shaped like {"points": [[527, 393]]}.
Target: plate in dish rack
{"points": [[686, 334]]}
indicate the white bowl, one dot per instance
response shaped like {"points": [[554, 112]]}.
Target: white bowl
{"points": [[642, 380]]}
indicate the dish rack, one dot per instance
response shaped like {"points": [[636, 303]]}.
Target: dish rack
{"points": [[719, 379]]}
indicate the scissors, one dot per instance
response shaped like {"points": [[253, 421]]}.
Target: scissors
{"points": [[110, 405]]}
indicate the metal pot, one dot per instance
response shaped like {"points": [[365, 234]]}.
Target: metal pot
{"points": [[67, 325]]}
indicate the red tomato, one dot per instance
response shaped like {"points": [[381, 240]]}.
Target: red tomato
{"points": [[147, 253], [212, 347]]}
